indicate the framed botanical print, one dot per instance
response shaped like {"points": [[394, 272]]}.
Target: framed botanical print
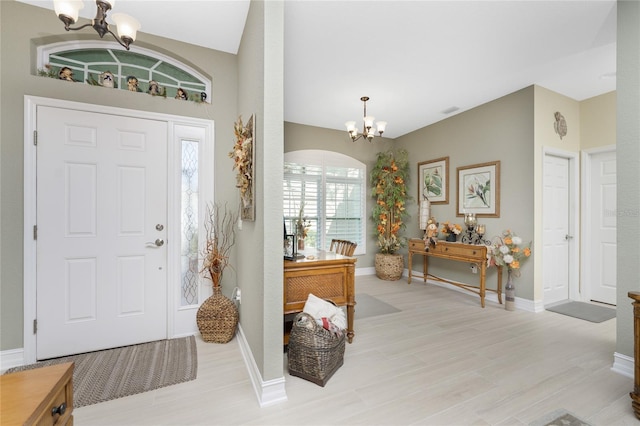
{"points": [[433, 180], [479, 189]]}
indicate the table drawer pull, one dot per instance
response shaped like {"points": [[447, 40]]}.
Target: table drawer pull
{"points": [[59, 409]]}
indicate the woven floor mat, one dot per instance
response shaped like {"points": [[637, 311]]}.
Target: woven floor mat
{"points": [[114, 373]]}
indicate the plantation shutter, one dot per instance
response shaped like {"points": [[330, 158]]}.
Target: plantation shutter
{"points": [[332, 187], [344, 208], [303, 183]]}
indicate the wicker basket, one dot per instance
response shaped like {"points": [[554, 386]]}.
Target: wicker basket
{"points": [[389, 266], [217, 318], [314, 353]]}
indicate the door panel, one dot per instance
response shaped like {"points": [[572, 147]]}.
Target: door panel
{"points": [[101, 191], [555, 229], [602, 273]]}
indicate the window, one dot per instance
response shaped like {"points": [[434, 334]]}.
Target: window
{"points": [[88, 59], [189, 206], [331, 188]]}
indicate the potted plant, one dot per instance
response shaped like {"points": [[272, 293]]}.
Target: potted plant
{"points": [[218, 316], [389, 178]]}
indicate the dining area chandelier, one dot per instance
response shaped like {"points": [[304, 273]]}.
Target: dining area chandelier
{"points": [[368, 131], [126, 26]]}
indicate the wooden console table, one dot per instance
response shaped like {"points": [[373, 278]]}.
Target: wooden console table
{"points": [[41, 396], [325, 274], [468, 253]]}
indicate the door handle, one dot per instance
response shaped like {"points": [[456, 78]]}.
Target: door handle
{"points": [[156, 243], [568, 237]]}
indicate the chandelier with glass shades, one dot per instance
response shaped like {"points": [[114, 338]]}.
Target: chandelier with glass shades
{"points": [[127, 26], [367, 131]]}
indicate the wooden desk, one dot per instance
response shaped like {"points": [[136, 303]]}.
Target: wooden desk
{"points": [[326, 275], [42, 396], [468, 253]]}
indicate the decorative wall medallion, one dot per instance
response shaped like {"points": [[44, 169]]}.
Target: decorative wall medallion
{"points": [[560, 125]]}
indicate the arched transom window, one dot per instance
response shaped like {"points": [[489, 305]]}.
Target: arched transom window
{"points": [[89, 60]]}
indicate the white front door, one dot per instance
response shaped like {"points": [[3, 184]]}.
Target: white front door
{"points": [[602, 265], [555, 222], [101, 231]]}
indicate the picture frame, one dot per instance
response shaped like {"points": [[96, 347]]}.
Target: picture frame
{"points": [[479, 189], [433, 180], [290, 247]]}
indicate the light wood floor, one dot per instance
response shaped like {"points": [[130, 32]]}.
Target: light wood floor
{"points": [[442, 360]]}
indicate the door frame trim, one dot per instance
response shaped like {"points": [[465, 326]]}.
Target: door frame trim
{"points": [[574, 219], [586, 162], [31, 103]]}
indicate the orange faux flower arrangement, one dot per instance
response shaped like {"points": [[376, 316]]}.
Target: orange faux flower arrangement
{"points": [[507, 251], [448, 228], [389, 178]]}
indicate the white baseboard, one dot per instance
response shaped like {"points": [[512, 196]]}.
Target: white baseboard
{"points": [[623, 364], [521, 304], [11, 358], [268, 393], [365, 271]]}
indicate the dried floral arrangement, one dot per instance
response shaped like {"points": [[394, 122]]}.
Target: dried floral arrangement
{"points": [[242, 155]]}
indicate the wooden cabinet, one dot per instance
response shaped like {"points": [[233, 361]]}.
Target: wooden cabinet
{"points": [[470, 253], [325, 274], [42, 396]]}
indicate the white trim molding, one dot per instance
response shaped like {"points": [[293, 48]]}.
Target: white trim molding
{"points": [[521, 304], [11, 358], [269, 392], [623, 364]]}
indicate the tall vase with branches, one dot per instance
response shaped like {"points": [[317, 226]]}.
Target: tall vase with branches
{"points": [[220, 234], [218, 316]]}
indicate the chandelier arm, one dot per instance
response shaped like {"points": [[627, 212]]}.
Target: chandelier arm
{"points": [[68, 28], [99, 23], [124, 42]]}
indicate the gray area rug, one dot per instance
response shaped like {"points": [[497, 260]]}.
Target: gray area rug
{"points": [[559, 417], [583, 310], [114, 373], [368, 306]]}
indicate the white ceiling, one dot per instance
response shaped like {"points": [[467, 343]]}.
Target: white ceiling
{"points": [[414, 59]]}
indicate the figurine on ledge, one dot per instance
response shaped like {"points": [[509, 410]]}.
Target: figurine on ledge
{"points": [[431, 234]]}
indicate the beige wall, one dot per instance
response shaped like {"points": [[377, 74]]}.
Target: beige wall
{"points": [[299, 137], [546, 105], [17, 78], [260, 91], [513, 129], [500, 130], [598, 121]]}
